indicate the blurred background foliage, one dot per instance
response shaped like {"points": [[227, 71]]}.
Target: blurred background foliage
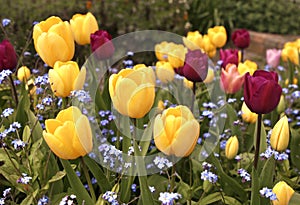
{"points": [[177, 16]]}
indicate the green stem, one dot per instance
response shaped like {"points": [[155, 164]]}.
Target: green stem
{"points": [[258, 133], [194, 96], [10, 159], [172, 186], [242, 55], [14, 91], [88, 179]]}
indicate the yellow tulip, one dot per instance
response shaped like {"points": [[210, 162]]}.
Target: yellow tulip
{"points": [[193, 40], [291, 52], [161, 50], [176, 131], [210, 76], [66, 77], [232, 147], [283, 193], [53, 40], [247, 66], [132, 91], [83, 25], [23, 73], [207, 45], [280, 135], [247, 115], [69, 135], [176, 55], [217, 36], [164, 71]]}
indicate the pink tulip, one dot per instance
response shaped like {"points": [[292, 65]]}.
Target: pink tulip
{"points": [[231, 81], [273, 57]]}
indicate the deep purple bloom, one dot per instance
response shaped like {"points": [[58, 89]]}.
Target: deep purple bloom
{"points": [[102, 45], [229, 56], [8, 56], [241, 38]]}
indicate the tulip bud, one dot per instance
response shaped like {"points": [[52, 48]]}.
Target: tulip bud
{"points": [[137, 98], [217, 36], [262, 91], [176, 131], [280, 135], [231, 81], [164, 71], [247, 115], [207, 45], [241, 38], [53, 40], [283, 193], [273, 57], [281, 104], [187, 83], [193, 40], [232, 147], [23, 73], [176, 55], [102, 45], [8, 56], [161, 50], [83, 25], [290, 52], [229, 56], [69, 135]]}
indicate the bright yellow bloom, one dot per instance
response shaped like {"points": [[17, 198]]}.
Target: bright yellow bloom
{"points": [[66, 77], [176, 131], [291, 52], [208, 46], [164, 71], [176, 55], [232, 147], [217, 36], [162, 49], [53, 40], [83, 25], [210, 76], [247, 115], [193, 40], [283, 193], [23, 73], [69, 135], [247, 66], [132, 91], [280, 135]]}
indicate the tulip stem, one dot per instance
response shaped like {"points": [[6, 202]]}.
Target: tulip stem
{"points": [[258, 133], [14, 91], [194, 96], [242, 55], [88, 179]]}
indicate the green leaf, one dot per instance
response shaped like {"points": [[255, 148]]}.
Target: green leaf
{"points": [[76, 184], [58, 176], [98, 174], [295, 199], [268, 173], [26, 134], [295, 151], [255, 198], [209, 199]]}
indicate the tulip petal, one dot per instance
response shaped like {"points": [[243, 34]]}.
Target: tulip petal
{"points": [[84, 133], [57, 84], [79, 82], [186, 138], [70, 114], [52, 124]]}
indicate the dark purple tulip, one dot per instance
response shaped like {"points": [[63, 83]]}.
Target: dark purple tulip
{"points": [[8, 56], [262, 91], [102, 45], [241, 38], [195, 66], [229, 56]]}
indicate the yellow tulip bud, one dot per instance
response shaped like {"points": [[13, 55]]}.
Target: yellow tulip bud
{"points": [[23, 73], [283, 193], [281, 104], [290, 52], [232, 147], [247, 115], [176, 131], [210, 76], [193, 40], [295, 81], [247, 66], [280, 135], [132, 91], [164, 71], [176, 55], [53, 40], [217, 36], [83, 25], [207, 45], [69, 135], [66, 77]]}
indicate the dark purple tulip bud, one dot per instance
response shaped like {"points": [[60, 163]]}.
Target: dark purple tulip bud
{"points": [[229, 56], [8, 56], [241, 38], [262, 91], [102, 45]]}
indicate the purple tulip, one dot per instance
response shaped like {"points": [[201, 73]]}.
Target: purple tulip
{"points": [[262, 91], [102, 45], [241, 38], [196, 66], [8, 56], [229, 56]]}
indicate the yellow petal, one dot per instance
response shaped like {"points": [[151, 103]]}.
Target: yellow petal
{"points": [[280, 135], [57, 84], [84, 133], [70, 114], [52, 124], [79, 82]]}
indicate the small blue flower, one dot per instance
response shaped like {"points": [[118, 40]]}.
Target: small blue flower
{"points": [[47, 101], [24, 179], [133, 187], [43, 201], [18, 144], [267, 193], [167, 198], [5, 22], [6, 192], [246, 177], [162, 162], [207, 175], [7, 112]]}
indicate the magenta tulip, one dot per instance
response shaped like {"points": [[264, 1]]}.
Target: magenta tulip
{"points": [[241, 38], [102, 45], [8, 56], [195, 66], [262, 91], [229, 56], [273, 57]]}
